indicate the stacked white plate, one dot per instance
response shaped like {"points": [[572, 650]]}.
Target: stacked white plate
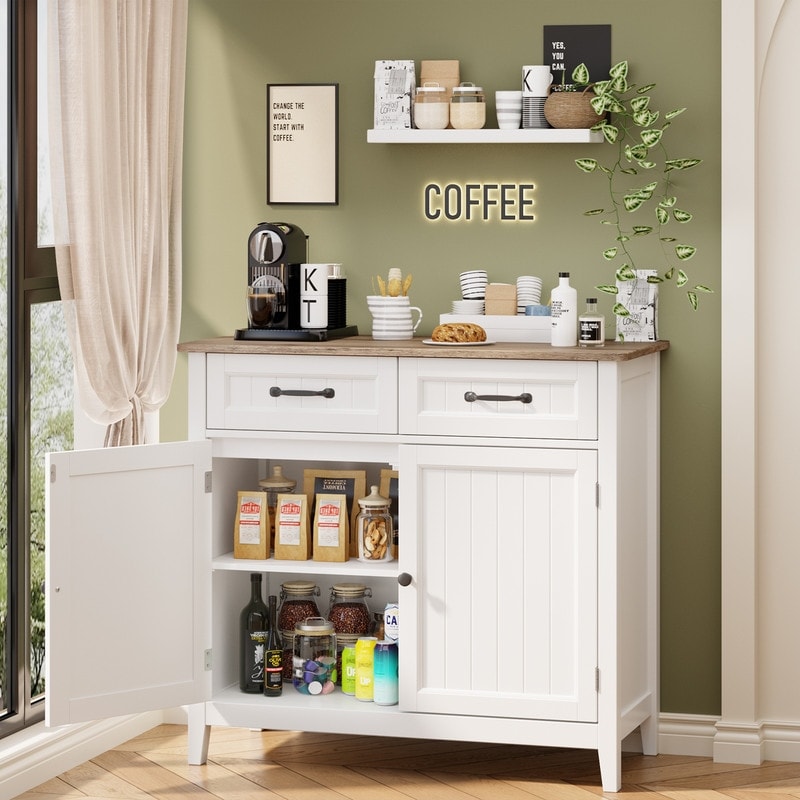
{"points": [[533, 112], [529, 292], [469, 306]]}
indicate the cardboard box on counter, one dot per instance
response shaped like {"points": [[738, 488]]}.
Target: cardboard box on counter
{"points": [[505, 328], [394, 89], [501, 299]]}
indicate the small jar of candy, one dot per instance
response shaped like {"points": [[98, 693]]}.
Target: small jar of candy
{"points": [[314, 661]]}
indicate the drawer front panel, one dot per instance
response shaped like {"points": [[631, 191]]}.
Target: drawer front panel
{"points": [[458, 397], [302, 393]]}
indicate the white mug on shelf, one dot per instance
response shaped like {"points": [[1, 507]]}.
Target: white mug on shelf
{"points": [[536, 80]]}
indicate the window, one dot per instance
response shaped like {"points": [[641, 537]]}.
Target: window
{"points": [[35, 371]]}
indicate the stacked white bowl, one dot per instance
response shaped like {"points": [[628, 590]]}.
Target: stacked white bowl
{"points": [[469, 306], [529, 292], [473, 284]]}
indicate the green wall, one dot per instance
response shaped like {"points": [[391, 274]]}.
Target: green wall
{"points": [[236, 47]]}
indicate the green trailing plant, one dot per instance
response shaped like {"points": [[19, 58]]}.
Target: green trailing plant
{"points": [[640, 179]]}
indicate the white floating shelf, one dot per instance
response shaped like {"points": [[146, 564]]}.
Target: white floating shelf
{"points": [[486, 136]]}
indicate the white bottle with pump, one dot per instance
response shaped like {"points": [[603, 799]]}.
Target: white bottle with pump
{"points": [[564, 313]]}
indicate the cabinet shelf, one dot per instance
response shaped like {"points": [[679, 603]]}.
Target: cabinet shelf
{"points": [[486, 136], [352, 567]]}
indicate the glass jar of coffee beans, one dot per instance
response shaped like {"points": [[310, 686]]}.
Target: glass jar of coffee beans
{"points": [[348, 610], [297, 602]]}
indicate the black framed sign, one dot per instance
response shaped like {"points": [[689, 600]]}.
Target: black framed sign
{"points": [[303, 143], [566, 46]]}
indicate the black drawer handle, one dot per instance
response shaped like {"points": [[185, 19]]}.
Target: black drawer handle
{"points": [[525, 397], [404, 579], [276, 391]]}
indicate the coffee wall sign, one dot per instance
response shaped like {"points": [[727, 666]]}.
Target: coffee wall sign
{"points": [[485, 202], [566, 46], [303, 143]]}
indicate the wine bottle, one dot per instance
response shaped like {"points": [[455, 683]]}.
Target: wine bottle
{"points": [[273, 653], [253, 624]]}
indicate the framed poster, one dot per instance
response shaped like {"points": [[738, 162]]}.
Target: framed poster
{"points": [[303, 143]]}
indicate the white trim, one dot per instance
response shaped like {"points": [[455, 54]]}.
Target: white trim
{"points": [[686, 735], [39, 754], [739, 340]]}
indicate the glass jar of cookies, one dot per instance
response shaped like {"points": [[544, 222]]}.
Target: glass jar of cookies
{"points": [[374, 527]]}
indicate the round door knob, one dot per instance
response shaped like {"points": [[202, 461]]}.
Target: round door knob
{"points": [[404, 579]]}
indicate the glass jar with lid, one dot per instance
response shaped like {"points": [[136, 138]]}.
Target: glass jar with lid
{"points": [[348, 610], [431, 109], [314, 662], [467, 107], [374, 527], [298, 602]]}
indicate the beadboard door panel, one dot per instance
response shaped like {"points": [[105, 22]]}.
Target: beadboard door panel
{"points": [[502, 611]]}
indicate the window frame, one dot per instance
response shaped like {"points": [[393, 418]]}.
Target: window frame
{"points": [[32, 278]]}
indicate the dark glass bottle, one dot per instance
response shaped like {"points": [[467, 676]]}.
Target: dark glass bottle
{"points": [[253, 626], [273, 653]]}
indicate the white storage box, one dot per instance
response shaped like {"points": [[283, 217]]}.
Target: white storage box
{"points": [[506, 328]]}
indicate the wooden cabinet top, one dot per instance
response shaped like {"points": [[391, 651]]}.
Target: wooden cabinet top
{"points": [[415, 348]]}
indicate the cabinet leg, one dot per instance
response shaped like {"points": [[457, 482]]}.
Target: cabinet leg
{"points": [[649, 731], [199, 734], [610, 756]]}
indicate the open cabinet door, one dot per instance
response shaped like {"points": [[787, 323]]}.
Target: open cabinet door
{"points": [[128, 580]]}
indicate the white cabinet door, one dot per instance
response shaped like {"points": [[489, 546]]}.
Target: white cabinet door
{"points": [[128, 579], [500, 617]]}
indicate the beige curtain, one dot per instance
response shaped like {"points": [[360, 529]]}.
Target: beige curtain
{"points": [[117, 70]]}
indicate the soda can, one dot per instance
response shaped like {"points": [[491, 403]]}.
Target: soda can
{"points": [[349, 669], [385, 674], [391, 625], [365, 649]]}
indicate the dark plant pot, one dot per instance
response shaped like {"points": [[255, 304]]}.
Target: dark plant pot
{"points": [[571, 110]]}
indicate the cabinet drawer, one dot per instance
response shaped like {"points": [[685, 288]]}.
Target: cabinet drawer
{"points": [[302, 393], [435, 398]]}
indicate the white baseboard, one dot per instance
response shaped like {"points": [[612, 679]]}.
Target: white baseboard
{"points": [[38, 754], [686, 735], [727, 742]]}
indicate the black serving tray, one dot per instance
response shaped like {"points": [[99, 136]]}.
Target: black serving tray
{"points": [[294, 334]]}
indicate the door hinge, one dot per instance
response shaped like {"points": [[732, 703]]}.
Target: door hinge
{"points": [[597, 679], [52, 473], [207, 660], [208, 482], [597, 495]]}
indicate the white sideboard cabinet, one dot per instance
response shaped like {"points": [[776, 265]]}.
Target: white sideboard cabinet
{"points": [[528, 542]]}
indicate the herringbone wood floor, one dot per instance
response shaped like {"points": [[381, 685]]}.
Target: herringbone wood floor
{"points": [[275, 765]]}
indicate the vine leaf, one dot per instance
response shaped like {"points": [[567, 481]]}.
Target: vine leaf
{"points": [[662, 216], [642, 230], [692, 299], [580, 74], [681, 163], [675, 113], [681, 216], [608, 288], [620, 310], [625, 273], [593, 213], [586, 164], [652, 136], [682, 278], [610, 254], [684, 251]]}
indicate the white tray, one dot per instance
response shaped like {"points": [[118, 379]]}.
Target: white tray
{"points": [[501, 328]]}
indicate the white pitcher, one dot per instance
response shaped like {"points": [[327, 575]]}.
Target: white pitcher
{"points": [[392, 317]]}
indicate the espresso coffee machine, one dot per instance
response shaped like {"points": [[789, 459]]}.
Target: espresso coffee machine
{"points": [[277, 294], [275, 251]]}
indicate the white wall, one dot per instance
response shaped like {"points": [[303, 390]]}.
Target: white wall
{"points": [[761, 427]]}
